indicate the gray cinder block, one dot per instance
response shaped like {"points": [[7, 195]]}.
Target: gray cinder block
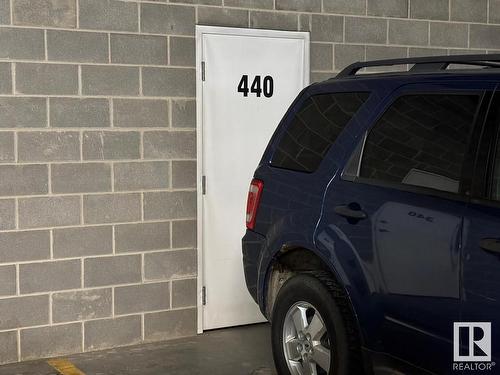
{"points": [[142, 237], [23, 112], [49, 276], [111, 208], [51, 341], [184, 233], [253, 4], [169, 324], [184, 174], [327, 28], [222, 17], [24, 246], [7, 282], [447, 34], [23, 179], [83, 241], [184, 113], [388, 8], [7, 147], [108, 333], [8, 347], [429, 9], [49, 211], [409, 32], [357, 7], [139, 49], [170, 264], [272, 20], [24, 311], [112, 15], [346, 54], [48, 146], [111, 145], [110, 80], [5, 78], [184, 293], [170, 144], [170, 205], [365, 30], [4, 14], [168, 82], [7, 214], [46, 79], [52, 13], [81, 305], [182, 51], [18, 43], [484, 36], [140, 113], [167, 19], [145, 297], [141, 175], [112, 270], [469, 10], [299, 5], [81, 113], [81, 178], [77, 46], [321, 56]]}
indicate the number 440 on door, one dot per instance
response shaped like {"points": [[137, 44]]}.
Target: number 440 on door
{"points": [[259, 86]]}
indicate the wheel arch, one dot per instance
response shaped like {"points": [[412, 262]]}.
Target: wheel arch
{"points": [[291, 260]]}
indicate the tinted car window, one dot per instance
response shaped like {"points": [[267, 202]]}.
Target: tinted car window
{"points": [[314, 128], [421, 140], [495, 186]]}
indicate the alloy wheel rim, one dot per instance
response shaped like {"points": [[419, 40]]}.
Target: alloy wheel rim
{"points": [[306, 343]]}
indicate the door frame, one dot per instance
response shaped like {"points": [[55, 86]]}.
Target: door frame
{"points": [[200, 32]]}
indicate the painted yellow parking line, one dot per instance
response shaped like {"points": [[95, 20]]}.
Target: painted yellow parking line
{"points": [[65, 367]]}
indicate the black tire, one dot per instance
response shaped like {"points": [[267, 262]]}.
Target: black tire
{"points": [[322, 292]]}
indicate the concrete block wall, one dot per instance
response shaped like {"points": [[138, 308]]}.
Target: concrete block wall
{"points": [[97, 149]]}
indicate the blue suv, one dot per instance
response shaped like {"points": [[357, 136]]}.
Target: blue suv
{"points": [[373, 221]]}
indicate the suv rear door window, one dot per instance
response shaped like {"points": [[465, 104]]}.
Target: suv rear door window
{"points": [[495, 181], [495, 189], [314, 128], [421, 140]]}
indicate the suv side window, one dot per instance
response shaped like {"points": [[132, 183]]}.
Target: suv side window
{"points": [[421, 140], [314, 128], [495, 188]]}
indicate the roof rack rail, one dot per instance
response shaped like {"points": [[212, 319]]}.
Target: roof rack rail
{"points": [[426, 64]]}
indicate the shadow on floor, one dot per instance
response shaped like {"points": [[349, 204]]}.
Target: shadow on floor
{"points": [[232, 351]]}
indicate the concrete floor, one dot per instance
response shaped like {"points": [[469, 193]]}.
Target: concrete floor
{"points": [[233, 351]]}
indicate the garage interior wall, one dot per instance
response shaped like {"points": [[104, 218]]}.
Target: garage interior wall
{"points": [[98, 149]]}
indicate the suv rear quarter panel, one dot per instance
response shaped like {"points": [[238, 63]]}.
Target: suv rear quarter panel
{"points": [[291, 203]]}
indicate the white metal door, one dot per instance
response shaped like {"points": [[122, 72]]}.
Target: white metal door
{"points": [[235, 123]]}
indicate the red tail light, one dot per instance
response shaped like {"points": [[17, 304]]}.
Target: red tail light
{"points": [[254, 193]]}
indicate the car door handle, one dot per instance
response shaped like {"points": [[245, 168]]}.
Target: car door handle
{"points": [[351, 211], [490, 244]]}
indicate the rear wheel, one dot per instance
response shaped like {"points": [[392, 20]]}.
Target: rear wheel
{"points": [[309, 329]]}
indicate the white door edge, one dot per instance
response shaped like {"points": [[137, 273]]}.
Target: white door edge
{"points": [[200, 31]]}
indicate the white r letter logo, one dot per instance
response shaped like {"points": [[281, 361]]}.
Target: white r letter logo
{"points": [[472, 342]]}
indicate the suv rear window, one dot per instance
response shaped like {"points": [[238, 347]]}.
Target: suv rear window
{"points": [[314, 128], [421, 140]]}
